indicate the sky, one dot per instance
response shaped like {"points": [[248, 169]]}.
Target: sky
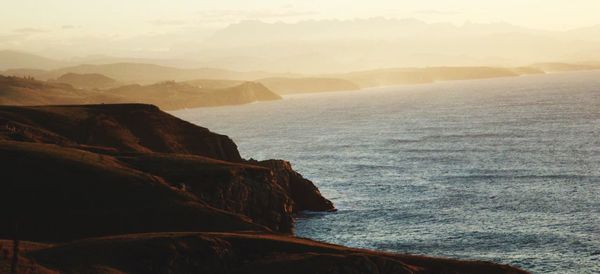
{"points": [[135, 16], [53, 26]]}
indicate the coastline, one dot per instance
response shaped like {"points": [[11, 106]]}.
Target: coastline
{"points": [[170, 169]]}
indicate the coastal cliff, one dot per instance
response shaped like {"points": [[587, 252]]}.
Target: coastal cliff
{"points": [[148, 141], [131, 189]]}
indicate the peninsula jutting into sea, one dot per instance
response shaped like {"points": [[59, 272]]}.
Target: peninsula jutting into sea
{"points": [[299, 137]]}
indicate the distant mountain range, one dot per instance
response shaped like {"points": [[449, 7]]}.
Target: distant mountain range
{"points": [[339, 46], [175, 88], [142, 73], [10, 59], [87, 81]]}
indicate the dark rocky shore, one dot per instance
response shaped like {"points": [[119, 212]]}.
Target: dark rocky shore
{"points": [[130, 189]]}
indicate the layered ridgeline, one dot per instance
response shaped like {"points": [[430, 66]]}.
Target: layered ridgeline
{"points": [[113, 75], [406, 76], [214, 92], [167, 95], [87, 81], [130, 189], [286, 85]]}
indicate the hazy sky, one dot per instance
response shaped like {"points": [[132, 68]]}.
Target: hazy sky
{"points": [[134, 16], [54, 25]]}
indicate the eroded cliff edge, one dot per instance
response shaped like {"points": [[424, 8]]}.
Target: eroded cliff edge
{"points": [[72, 174], [144, 141]]}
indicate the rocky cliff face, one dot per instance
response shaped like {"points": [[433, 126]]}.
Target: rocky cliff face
{"points": [[147, 141], [59, 194], [304, 193], [245, 189]]}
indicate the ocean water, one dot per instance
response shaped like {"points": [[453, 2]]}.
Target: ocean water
{"points": [[504, 170]]}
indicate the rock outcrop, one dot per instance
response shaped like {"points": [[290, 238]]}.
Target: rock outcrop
{"points": [[305, 194], [60, 194], [245, 189], [148, 142]]}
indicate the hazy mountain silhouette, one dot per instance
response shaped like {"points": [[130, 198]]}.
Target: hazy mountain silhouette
{"points": [[321, 46], [336, 46], [10, 59], [142, 73], [87, 81]]}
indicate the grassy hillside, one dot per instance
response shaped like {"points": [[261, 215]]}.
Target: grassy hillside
{"points": [[172, 95], [167, 95], [87, 81], [247, 252], [28, 91]]}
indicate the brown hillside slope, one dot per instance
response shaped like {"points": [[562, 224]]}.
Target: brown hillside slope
{"points": [[27, 91], [126, 128], [167, 95], [87, 81], [60, 194], [231, 253], [172, 95]]}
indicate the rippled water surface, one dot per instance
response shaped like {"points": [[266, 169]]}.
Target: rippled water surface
{"points": [[506, 170]]}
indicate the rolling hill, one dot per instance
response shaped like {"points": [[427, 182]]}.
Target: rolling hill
{"points": [[141, 73], [167, 95], [87, 81], [10, 59]]}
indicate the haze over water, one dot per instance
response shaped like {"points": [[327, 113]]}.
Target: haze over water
{"points": [[506, 170]]}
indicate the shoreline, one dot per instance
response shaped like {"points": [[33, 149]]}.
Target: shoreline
{"points": [[204, 221]]}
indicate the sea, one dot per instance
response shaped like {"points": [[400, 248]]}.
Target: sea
{"points": [[504, 170]]}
